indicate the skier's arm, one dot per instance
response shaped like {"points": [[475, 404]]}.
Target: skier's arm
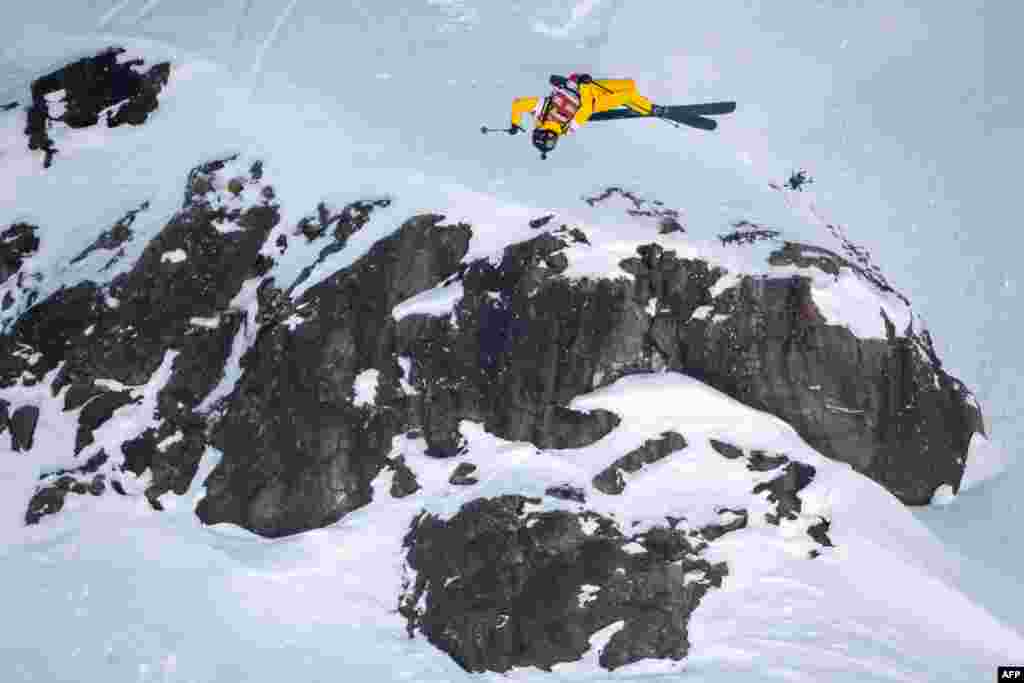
{"points": [[522, 105]]}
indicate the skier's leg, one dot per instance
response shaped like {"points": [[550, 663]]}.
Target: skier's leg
{"points": [[639, 103], [619, 92]]}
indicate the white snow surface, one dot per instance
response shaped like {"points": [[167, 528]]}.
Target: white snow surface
{"points": [[366, 388], [111, 590]]}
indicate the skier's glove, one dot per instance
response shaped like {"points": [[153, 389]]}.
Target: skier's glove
{"points": [[584, 78], [514, 129]]}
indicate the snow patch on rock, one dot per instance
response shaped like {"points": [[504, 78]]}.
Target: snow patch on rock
{"points": [[439, 301], [405, 363], [365, 388], [176, 256]]}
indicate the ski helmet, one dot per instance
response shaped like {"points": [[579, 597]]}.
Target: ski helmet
{"points": [[545, 140]]}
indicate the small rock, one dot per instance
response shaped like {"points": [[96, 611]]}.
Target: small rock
{"points": [[714, 531], [819, 532], [557, 262], [667, 226], [460, 477], [65, 482], [760, 462], [235, 186], [578, 236], [46, 501], [726, 450], [98, 485], [154, 503], [542, 221], [610, 481], [566, 492]]}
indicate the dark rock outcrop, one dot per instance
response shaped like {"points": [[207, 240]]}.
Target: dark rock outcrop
{"points": [[819, 532], [726, 450], [500, 588], [23, 427], [885, 406], [463, 475], [96, 412], [746, 232], [759, 461], [518, 346], [49, 500], [175, 300], [784, 490], [610, 479], [567, 492], [736, 520], [404, 481], [50, 495], [298, 452], [523, 342], [668, 219], [112, 239], [345, 223], [90, 86], [16, 244], [481, 363]]}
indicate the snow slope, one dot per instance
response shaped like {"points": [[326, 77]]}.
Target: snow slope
{"points": [[125, 593], [115, 591]]}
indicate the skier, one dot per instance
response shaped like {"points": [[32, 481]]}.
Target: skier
{"points": [[572, 102], [580, 98]]}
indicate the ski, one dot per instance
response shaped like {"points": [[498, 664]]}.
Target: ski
{"points": [[692, 121], [686, 114], [709, 109]]}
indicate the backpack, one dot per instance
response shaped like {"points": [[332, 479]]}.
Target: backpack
{"points": [[561, 106]]}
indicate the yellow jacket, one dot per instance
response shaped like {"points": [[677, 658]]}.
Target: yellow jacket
{"points": [[596, 96]]}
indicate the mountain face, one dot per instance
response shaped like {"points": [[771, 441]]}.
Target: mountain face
{"points": [[314, 389]]}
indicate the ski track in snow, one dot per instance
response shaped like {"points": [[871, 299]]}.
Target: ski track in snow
{"points": [[268, 42], [147, 9], [111, 14]]}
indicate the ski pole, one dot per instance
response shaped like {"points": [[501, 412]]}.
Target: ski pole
{"points": [[511, 131]]}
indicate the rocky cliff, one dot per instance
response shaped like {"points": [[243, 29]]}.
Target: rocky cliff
{"points": [[305, 387]]}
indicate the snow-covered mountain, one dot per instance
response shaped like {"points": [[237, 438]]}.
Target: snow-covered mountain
{"points": [[554, 428]]}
